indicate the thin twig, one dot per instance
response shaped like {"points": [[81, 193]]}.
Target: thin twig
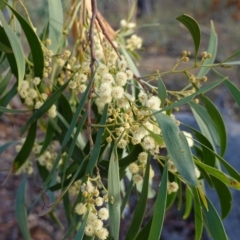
{"points": [[93, 59], [107, 36], [140, 82]]}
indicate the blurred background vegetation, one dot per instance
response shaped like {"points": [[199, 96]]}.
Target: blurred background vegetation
{"points": [[164, 37]]}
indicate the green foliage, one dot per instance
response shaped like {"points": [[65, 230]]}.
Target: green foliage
{"points": [[103, 126]]}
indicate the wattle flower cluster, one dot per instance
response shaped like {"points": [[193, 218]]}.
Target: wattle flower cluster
{"points": [[92, 205]]}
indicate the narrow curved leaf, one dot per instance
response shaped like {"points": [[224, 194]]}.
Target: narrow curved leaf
{"points": [[8, 97], [208, 156], [206, 124], [114, 195], [225, 196], [233, 173], [232, 63], [97, 145], [140, 208], [48, 138], [162, 92], [4, 82], [21, 210], [170, 200], [198, 215], [177, 147], [55, 23], [160, 207], [232, 56], [80, 233], [234, 91], [34, 44], [218, 121], [126, 197], [12, 111], [144, 233], [212, 49], [229, 181], [26, 148], [214, 223], [188, 204], [4, 48], [193, 28], [131, 157], [16, 48]]}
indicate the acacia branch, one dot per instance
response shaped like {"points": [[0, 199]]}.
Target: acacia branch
{"points": [[107, 36]]}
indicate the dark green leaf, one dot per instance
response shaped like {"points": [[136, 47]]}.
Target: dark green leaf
{"points": [[177, 147], [140, 208], [214, 223], [131, 157], [114, 195], [42, 171], [4, 48], [97, 145], [208, 156], [224, 195], [26, 148], [218, 121], [220, 175], [16, 48], [126, 197], [179, 194], [8, 97], [68, 208], [72, 146], [170, 200], [4, 82], [188, 205], [48, 138], [233, 173], [65, 109], [162, 93], [80, 233], [56, 220], [144, 233], [205, 123], [10, 60], [212, 49], [34, 44], [234, 91], [160, 206], [21, 210], [193, 28], [3, 4], [198, 215]]}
